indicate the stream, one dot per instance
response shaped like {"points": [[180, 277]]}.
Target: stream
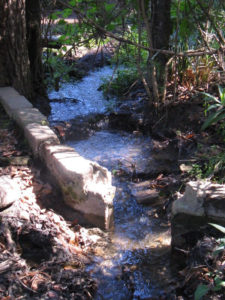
{"points": [[134, 264]]}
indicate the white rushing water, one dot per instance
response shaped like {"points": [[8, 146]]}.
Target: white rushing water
{"points": [[89, 99]]}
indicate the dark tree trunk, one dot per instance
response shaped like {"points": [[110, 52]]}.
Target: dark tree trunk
{"points": [[33, 18], [20, 50], [161, 30], [14, 61]]}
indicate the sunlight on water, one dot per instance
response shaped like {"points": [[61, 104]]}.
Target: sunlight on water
{"points": [[116, 150], [89, 99], [133, 236], [127, 268]]}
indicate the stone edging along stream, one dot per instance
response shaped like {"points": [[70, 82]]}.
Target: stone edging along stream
{"points": [[86, 186]]}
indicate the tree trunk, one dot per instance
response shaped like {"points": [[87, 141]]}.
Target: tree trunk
{"points": [[33, 18], [14, 60], [20, 50], [161, 29]]}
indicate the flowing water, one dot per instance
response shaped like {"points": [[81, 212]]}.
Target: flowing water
{"points": [[135, 264]]}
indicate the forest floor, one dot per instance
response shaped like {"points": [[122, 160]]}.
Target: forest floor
{"points": [[41, 255]]}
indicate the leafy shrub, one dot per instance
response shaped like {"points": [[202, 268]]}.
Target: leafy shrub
{"points": [[210, 164], [121, 83], [56, 69], [216, 107]]}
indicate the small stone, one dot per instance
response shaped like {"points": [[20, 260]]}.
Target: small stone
{"points": [[147, 196], [53, 295], [185, 168], [9, 191]]}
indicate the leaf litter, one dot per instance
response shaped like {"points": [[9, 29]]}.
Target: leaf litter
{"points": [[42, 256]]}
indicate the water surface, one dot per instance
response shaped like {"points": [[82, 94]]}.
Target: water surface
{"points": [[135, 265]]}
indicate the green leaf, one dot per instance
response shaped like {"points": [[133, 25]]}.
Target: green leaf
{"points": [[213, 106], [210, 97], [221, 241], [67, 12], [220, 117], [114, 171], [61, 22], [219, 284], [201, 291], [109, 7], [111, 27], [210, 120], [219, 227], [218, 250], [222, 94], [54, 16], [72, 2]]}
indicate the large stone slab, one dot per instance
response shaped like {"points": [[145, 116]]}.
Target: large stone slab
{"points": [[12, 100], [38, 135], [86, 186], [203, 202], [203, 199], [35, 127], [25, 116]]}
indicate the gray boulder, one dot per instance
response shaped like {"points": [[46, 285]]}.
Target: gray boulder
{"points": [[203, 202]]}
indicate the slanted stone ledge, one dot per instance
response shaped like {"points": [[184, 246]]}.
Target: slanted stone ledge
{"points": [[85, 185], [203, 202]]}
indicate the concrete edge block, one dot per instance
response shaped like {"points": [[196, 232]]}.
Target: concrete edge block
{"points": [[86, 186], [12, 100], [38, 135], [26, 116], [8, 91]]}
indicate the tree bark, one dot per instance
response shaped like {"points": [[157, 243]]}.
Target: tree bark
{"points": [[33, 24], [161, 29], [20, 50], [14, 60]]}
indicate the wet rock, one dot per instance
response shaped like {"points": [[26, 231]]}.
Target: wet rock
{"points": [[129, 115], [9, 191], [147, 197], [203, 202], [85, 126], [96, 58], [144, 195], [165, 150]]}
